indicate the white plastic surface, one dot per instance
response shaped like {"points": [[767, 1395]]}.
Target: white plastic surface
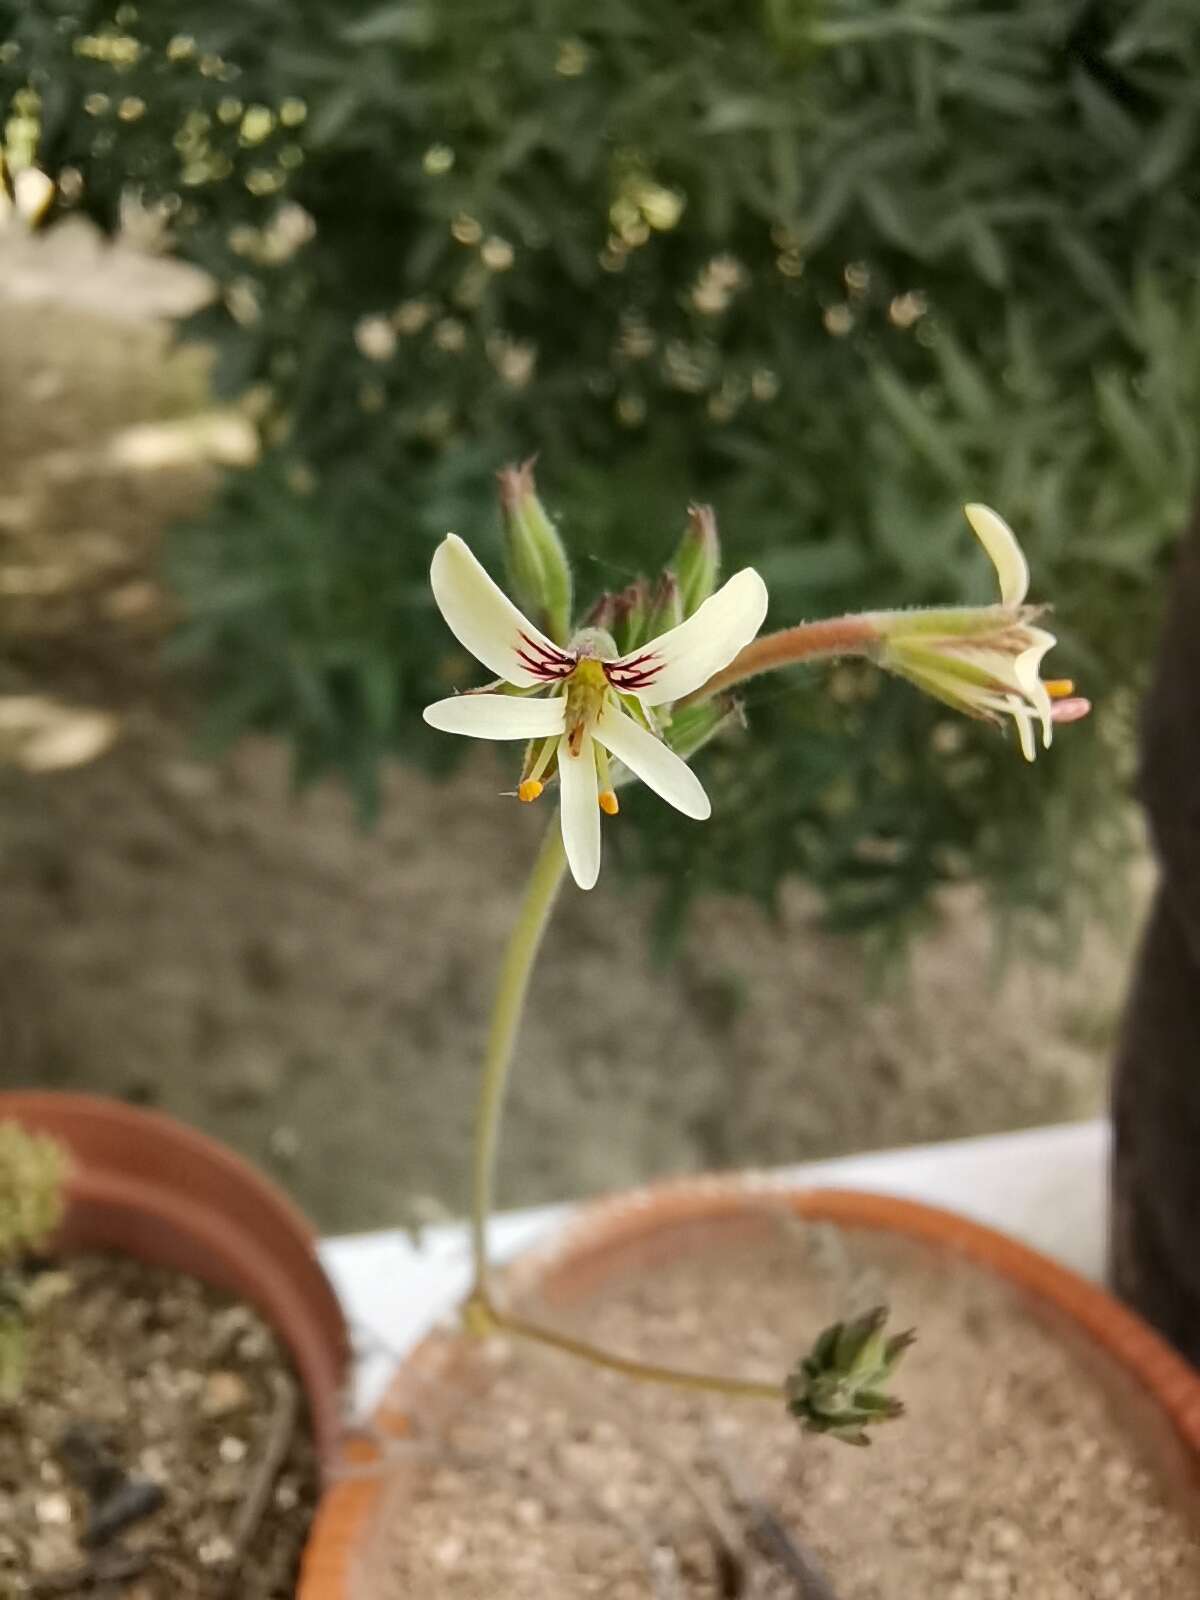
{"points": [[1047, 1187]]}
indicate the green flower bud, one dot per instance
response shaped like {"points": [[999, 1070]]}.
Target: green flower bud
{"points": [[624, 614], [838, 1388], [666, 606], [631, 614], [538, 571], [603, 614], [697, 562]]}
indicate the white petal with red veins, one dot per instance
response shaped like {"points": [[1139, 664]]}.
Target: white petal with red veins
{"points": [[498, 716], [1000, 542], [686, 657], [649, 759], [580, 810], [484, 620]]}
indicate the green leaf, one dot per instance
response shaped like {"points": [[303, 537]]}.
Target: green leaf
{"points": [[918, 427], [409, 24]]}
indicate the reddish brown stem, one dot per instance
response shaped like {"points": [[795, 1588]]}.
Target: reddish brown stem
{"points": [[807, 641]]}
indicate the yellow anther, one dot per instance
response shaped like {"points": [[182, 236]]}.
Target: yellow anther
{"points": [[609, 803], [1060, 688], [529, 790]]}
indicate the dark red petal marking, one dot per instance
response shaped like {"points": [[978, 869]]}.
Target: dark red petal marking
{"points": [[634, 672], [540, 670], [543, 660]]}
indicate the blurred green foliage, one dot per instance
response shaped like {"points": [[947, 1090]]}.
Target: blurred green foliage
{"points": [[834, 265]]}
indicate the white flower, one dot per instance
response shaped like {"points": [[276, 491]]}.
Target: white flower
{"points": [[984, 660], [596, 703]]}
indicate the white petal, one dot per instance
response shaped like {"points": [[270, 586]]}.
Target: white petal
{"points": [[649, 759], [1000, 542], [684, 658], [580, 811], [484, 620], [498, 716], [1027, 670], [1024, 724]]}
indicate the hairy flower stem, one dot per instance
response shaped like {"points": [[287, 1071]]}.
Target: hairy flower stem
{"points": [[508, 1006], [647, 1371], [853, 635], [807, 641], [482, 1315]]}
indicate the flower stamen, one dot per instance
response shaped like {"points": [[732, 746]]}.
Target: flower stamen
{"points": [[531, 785], [607, 797], [1060, 688]]}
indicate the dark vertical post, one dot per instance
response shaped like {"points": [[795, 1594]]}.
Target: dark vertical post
{"points": [[1155, 1240]]}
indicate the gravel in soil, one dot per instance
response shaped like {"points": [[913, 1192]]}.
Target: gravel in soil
{"points": [[1026, 1466], [127, 1466]]}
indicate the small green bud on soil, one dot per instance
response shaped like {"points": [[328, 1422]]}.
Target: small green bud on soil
{"points": [[839, 1387]]}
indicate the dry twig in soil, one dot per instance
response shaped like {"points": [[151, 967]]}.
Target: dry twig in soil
{"points": [[768, 1531], [281, 1427]]}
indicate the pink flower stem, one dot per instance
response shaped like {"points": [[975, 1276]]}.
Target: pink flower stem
{"points": [[807, 641]]}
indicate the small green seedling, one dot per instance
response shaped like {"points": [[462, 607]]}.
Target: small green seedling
{"points": [[33, 1175]]}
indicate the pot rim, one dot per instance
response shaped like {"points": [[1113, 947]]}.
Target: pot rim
{"points": [[151, 1186], [345, 1517]]}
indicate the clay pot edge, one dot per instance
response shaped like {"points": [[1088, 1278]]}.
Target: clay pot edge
{"points": [[149, 1185]]}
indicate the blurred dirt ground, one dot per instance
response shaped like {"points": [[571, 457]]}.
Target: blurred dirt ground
{"points": [[192, 936]]}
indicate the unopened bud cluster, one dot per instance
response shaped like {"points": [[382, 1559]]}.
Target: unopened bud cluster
{"points": [[838, 1388], [539, 575]]}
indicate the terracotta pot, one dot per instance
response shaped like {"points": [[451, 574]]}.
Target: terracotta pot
{"points": [[654, 1224], [154, 1189]]}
